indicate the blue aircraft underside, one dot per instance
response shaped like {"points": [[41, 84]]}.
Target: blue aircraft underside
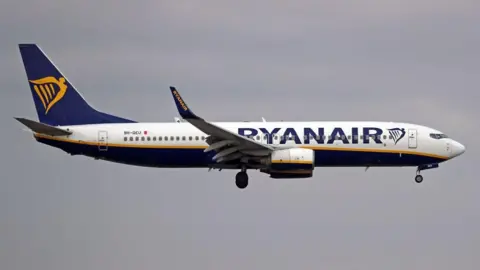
{"points": [[191, 158]]}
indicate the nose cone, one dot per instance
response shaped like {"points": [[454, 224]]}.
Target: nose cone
{"points": [[457, 149]]}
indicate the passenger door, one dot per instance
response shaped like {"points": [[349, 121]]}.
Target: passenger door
{"points": [[412, 138], [102, 140]]}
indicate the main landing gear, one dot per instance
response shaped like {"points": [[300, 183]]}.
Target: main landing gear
{"points": [[241, 180], [419, 177]]}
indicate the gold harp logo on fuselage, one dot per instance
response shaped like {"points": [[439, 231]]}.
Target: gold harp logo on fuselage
{"points": [[49, 90]]}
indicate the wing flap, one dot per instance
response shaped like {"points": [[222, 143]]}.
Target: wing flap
{"points": [[41, 128], [218, 145]]}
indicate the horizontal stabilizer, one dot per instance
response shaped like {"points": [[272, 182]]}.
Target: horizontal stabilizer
{"points": [[41, 128]]}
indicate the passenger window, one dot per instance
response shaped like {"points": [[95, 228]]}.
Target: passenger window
{"points": [[154, 138], [196, 138], [203, 138], [148, 138], [131, 139], [178, 138], [183, 138], [190, 138], [125, 138], [143, 138], [166, 138], [172, 138]]}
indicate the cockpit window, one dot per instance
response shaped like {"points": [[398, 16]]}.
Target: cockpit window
{"points": [[438, 136]]}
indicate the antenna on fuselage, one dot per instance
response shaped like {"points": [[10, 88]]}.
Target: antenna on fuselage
{"points": [[178, 120]]}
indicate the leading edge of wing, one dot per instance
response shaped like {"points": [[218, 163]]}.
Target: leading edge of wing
{"points": [[209, 128]]}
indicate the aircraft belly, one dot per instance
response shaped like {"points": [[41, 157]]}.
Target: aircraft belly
{"points": [[196, 157], [326, 158]]}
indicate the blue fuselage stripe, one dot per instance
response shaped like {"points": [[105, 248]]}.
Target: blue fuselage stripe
{"points": [[192, 158]]}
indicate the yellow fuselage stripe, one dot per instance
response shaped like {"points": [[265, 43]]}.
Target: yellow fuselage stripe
{"points": [[291, 162], [293, 171]]}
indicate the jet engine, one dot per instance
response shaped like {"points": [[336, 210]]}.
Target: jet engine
{"points": [[290, 163]]}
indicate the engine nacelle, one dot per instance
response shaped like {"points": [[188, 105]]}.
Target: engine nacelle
{"points": [[293, 174], [290, 163]]}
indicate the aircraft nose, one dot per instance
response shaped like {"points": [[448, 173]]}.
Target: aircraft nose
{"points": [[457, 149]]}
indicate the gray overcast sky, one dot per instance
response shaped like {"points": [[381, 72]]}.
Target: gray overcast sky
{"points": [[413, 61]]}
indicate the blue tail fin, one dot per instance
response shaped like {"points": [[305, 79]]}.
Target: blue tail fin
{"points": [[57, 102]]}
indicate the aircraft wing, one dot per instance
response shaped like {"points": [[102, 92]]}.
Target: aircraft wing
{"points": [[220, 137]]}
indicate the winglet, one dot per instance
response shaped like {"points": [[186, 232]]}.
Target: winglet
{"points": [[182, 107]]}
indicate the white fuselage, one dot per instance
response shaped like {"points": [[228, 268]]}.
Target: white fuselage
{"points": [[334, 143]]}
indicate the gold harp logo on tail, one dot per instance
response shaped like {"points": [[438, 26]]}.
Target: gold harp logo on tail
{"points": [[49, 90]]}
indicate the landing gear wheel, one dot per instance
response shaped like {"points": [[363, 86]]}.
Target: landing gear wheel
{"points": [[418, 178], [241, 180]]}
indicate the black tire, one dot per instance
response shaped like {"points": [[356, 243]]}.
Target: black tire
{"points": [[241, 180], [418, 178]]}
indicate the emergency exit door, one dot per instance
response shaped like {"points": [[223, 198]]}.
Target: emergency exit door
{"points": [[102, 140], [412, 138]]}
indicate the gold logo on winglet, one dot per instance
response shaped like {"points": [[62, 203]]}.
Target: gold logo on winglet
{"points": [[49, 90], [185, 108]]}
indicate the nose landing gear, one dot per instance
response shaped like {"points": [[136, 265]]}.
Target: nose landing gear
{"points": [[419, 177]]}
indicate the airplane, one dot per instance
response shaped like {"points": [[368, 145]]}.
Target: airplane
{"points": [[280, 149]]}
